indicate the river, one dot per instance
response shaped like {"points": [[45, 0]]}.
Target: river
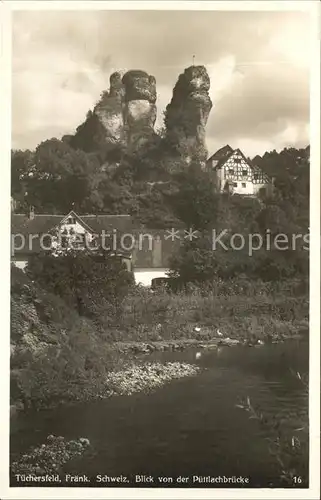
{"points": [[190, 427]]}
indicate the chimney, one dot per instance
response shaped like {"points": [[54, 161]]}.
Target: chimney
{"points": [[32, 213]]}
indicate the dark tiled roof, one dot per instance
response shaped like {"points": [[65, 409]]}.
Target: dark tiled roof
{"points": [[22, 224], [108, 222], [222, 153], [143, 255], [42, 223]]}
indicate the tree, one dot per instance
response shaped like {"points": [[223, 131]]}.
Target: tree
{"points": [[195, 201], [194, 263], [22, 171], [83, 279], [61, 178]]}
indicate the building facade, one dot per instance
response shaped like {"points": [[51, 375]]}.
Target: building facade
{"points": [[235, 174]]}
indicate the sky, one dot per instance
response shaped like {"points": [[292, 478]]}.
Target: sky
{"points": [[258, 63]]}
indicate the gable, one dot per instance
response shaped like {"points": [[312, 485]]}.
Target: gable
{"points": [[260, 176], [237, 167], [76, 222], [73, 224], [237, 161]]}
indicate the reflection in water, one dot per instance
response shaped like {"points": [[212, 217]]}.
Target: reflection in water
{"points": [[191, 426]]}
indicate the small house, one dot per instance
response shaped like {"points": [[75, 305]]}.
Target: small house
{"points": [[35, 233], [146, 252]]}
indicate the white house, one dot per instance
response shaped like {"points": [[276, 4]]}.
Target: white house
{"points": [[235, 174]]}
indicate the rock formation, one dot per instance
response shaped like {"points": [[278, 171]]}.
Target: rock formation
{"points": [[139, 109], [124, 116], [109, 110], [187, 113], [103, 127]]}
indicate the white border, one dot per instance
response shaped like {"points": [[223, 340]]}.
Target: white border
{"points": [[5, 145], [230, 5]]}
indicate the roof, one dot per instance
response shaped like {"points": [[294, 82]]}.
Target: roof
{"points": [[256, 160], [222, 153], [42, 223], [144, 254]]}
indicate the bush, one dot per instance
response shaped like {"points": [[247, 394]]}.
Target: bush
{"points": [[82, 279], [58, 355], [196, 262]]}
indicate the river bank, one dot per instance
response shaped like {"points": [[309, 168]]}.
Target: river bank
{"points": [[135, 376], [134, 373], [182, 344], [60, 357]]}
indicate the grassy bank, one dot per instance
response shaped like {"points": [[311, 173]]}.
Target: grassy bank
{"points": [[147, 316], [58, 356]]}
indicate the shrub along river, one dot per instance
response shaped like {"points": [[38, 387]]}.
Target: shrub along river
{"points": [[192, 427]]}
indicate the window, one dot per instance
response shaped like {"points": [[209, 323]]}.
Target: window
{"points": [[46, 242], [231, 171], [237, 160], [243, 184], [244, 173], [71, 220], [64, 241], [79, 241], [255, 177], [235, 184]]}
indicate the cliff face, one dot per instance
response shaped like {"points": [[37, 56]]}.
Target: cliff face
{"points": [[139, 111], [109, 110], [125, 115], [187, 113]]}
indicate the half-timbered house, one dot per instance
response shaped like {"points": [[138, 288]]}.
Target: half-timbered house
{"points": [[236, 174]]}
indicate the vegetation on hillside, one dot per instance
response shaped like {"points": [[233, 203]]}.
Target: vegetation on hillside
{"points": [[156, 188], [141, 183]]}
